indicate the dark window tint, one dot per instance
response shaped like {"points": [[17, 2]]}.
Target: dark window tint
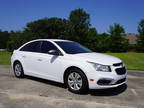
{"points": [[72, 47], [32, 47], [47, 46]]}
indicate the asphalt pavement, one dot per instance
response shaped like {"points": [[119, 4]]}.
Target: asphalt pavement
{"points": [[30, 92]]}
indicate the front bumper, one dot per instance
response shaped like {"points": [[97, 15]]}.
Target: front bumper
{"points": [[94, 85], [104, 80]]}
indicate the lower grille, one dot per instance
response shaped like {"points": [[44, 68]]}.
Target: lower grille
{"points": [[104, 82], [120, 71]]}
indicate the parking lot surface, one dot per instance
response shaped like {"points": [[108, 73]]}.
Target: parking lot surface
{"points": [[33, 92]]}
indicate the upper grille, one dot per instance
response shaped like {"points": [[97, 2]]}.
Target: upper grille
{"points": [[120, 71], [118, 64]]}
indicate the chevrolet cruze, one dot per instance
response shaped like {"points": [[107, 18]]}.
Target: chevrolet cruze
{"points": [[68, 62]]}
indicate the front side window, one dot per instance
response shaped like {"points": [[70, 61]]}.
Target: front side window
{"points": [[47, 46], [72, 47], [32, 47]]}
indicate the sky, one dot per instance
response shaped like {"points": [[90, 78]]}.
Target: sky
{"points": [[15, 14]]}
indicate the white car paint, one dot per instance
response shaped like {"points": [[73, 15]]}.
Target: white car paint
{"points": [[53, 67]]}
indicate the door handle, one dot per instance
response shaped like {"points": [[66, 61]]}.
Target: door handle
{"points": [[39, 59]]}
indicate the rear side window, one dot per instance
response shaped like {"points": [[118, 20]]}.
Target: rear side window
{"points": [[32, 47], [47, 46]]}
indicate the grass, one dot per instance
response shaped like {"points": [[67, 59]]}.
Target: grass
{"points": [[133, 61], [5, 58]]}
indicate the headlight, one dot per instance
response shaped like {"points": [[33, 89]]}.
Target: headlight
{"points": [[99, 67]]}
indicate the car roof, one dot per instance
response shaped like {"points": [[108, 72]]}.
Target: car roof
{"points": [[51, 40]]}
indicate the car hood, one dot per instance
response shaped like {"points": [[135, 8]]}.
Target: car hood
{"points": [[99, 58]]}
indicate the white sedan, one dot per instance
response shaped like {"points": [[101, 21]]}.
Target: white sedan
{"points": [[68, 62]]}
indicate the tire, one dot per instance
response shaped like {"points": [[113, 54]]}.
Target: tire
{"points": [[18, 70], [76, 81]]}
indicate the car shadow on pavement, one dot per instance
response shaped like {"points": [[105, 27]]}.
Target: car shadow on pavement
{"points": [[100, 92], [53, 83]]}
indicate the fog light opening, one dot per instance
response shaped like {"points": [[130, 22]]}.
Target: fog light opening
{"points": [[104, 81]]}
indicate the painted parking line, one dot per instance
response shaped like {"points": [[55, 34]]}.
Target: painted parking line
{"points": [[134, 92]]}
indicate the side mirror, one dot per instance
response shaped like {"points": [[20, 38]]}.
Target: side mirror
{"points": [[54, 52]]}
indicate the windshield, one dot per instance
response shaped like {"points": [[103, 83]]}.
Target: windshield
{"points": [[72, 47]]}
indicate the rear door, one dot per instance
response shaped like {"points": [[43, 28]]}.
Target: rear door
{"points": [[30, 54]]}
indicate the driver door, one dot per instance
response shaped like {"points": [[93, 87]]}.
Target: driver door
{"points": [[49, 65]]}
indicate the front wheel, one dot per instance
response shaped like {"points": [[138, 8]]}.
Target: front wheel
{"points": [[18, 70], [76, 81]]}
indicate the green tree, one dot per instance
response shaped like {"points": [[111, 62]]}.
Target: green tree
{"points": [[92, 39], [47, 28], [118, 42], [80, 21], [4, 36], [17, 39], [104, 42], [97, 42], [140, 41], [50, 28]]}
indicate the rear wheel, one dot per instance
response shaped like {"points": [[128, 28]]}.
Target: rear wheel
{"points": [[76, 81], [18, 70]]}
